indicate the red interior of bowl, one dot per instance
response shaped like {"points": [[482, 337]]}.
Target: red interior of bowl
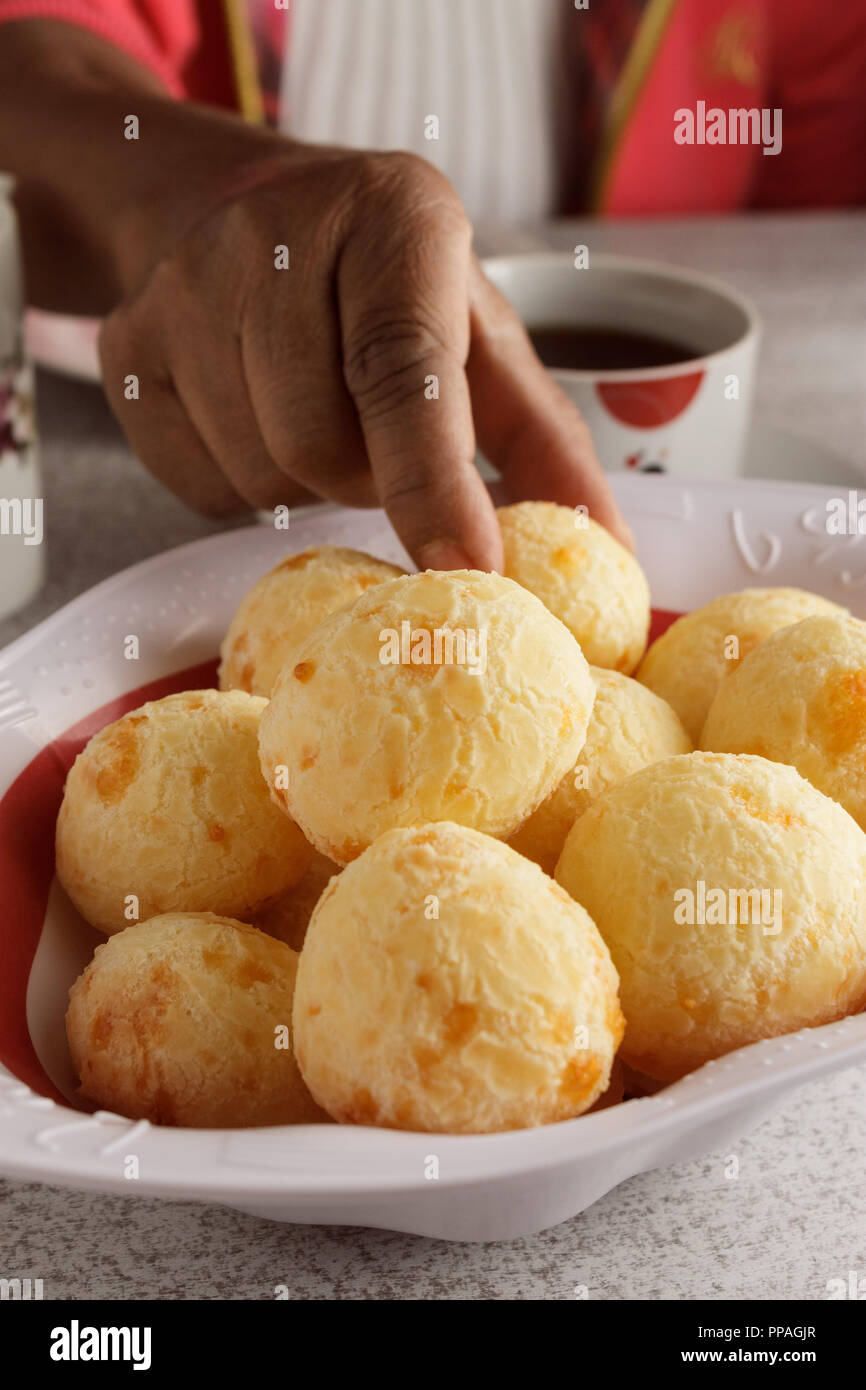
{"points": [[28, 813]]}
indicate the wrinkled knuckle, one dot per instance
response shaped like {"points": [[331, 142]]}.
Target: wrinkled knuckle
{"points": [[408, 485], [395, 169], [383, 366], [408, 184]]}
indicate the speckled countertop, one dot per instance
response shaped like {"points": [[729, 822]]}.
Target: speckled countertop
{"points": [[795, 1217]]}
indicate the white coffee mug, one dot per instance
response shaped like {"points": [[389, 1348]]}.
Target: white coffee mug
{"points": [[22, 550], [689, 417]]}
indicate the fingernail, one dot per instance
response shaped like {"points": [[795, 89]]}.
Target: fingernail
{"points": [[444, 555]]}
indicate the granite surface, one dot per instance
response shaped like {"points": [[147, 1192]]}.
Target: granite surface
{"points": [[796, 1215], [791, 1221]]}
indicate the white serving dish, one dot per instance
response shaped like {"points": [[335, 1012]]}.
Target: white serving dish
{"points": [[696, 540]]}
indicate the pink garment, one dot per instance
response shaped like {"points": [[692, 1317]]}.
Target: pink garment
{"points": [[811, 62], [162, 35], [183, 42]]}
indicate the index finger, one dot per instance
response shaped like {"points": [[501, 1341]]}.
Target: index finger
{"points": [[404, 311]]}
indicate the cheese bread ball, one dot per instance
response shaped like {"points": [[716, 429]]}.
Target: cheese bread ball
{"points": [[289, 917], [167, 806], [584, 576], [286, 604], [800, 698], [446, 984], [177, 1020], [368, 730], [687, 663], [731, 894], [629, 728]]}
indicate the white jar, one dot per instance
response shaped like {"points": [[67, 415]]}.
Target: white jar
{"points": [[22, 547]]}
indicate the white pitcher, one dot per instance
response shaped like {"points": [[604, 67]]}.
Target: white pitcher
{"points": [[22, 521]]}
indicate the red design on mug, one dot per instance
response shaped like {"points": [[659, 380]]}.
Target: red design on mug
{"points": [[647, 404]]}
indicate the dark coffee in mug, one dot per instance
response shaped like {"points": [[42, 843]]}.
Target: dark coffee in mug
{"points": [[588, 348]]}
